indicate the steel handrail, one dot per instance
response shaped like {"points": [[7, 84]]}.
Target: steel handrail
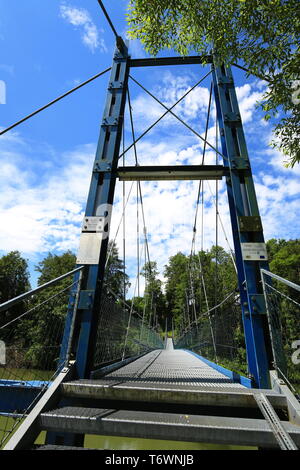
{"points": [[10, 303]]}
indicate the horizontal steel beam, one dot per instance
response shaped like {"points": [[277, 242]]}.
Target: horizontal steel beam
{"points": [[157, 61], [177, 172], [161, 425], [109, 389]]}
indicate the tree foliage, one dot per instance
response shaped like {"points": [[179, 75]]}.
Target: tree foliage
{"points": [[261, 35], [193, 284], [284, 256], [37, 337], [116, 280], [54, 266], [154, 299], [14, 281], [197, 283]]}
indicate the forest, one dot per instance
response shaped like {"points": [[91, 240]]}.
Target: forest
{"points": [[198, 300]]}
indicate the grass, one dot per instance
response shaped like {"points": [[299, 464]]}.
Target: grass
{"points": [[25, 374]]}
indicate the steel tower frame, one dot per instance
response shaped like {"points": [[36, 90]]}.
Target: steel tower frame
{"points": [[246, 224]]}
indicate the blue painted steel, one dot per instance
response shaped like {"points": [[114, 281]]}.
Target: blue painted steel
{"points": [[234, 376], [24, 383], [68, 323], [100, 199], [242, 202], [17, 396]]}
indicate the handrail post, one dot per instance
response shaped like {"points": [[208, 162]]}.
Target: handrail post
{"points": [[70, 323]]}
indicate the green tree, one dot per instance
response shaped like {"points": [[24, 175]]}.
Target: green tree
{"points": [[284, 301], [14, 281], [116, 280], [176, 273], [54, 266], [155, 307], [284, 256], [261, 35], [197, 283], [42, 329]]}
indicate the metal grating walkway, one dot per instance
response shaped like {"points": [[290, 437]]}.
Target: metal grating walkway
{"points": [[167, 369], [178, 368]]}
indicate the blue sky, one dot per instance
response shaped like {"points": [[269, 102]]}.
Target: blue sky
{"points": [[47, 48]]}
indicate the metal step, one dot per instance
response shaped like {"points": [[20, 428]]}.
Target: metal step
{"points": [[284, 440], [135, 391], [170, 426]]}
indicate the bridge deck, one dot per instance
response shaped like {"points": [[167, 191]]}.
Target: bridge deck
{"points": [[178, 368], [169, 376], [166, 394]]}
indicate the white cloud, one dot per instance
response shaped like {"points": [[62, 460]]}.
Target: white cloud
{"points": [[42, 214], [41, 208], [45, 213], [169, 89], [248, 96], [80, 18], [2, 92]]}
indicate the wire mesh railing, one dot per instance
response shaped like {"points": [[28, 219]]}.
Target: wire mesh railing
{"points": [[122, 333], [282, 299], [30, 346], [217, 335]]}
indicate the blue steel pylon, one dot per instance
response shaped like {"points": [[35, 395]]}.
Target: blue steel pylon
{"points": [[246, 223], [250, 251]]}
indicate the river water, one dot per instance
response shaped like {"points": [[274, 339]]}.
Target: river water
{"points": [[121, 443]]}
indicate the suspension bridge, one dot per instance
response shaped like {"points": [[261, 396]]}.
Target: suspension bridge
{"points": [[105, 369]]}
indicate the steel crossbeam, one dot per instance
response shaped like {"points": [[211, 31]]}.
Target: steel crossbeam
{"points": [[175, 172]]}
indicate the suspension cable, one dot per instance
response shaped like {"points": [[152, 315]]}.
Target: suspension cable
{"points": [[179, 119], [108, 19], [219, 305], [163, 115], [215, 200], [53, 101], [130, 315], [262, 77], [137, 195], [216, 212], [39, 305], [201, 185], [120, 222], [231, 252], [139, 183], [124, 221], [118, 298], [203, 157]]}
